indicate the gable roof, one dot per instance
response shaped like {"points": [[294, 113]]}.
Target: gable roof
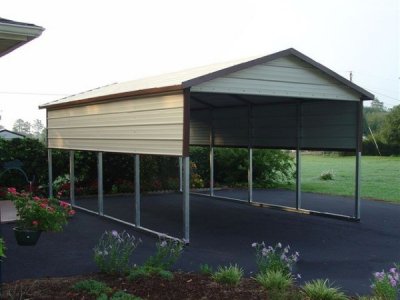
{"points": [[14, 34], [3, 131], [187, 78]]}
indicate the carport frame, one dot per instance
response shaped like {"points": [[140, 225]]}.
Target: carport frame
{"points": [[183, 83]]}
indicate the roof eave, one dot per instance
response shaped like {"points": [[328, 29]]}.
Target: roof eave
{"points": [[22, 34], [119, 96]]}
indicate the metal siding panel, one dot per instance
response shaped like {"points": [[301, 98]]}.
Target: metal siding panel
{"points": [[275, 126], [200, 126], [151, 117], [286, 76], [275, 88], [122, 146], [128, 105], [329, 125], [121, 126], [230, 126]]}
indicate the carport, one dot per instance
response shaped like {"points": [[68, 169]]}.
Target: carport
{"points": [[280, 101]]}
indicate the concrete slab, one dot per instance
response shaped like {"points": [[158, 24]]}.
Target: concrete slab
{"points": [[8, 213]]}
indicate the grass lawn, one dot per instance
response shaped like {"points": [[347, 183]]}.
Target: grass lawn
{"points": [[380, 176]]}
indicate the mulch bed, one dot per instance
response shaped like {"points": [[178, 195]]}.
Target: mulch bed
{"points": [[183, 286]]}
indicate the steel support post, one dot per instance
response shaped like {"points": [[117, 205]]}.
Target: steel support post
{"points": [[357, 194], [137, 190], [72, 176], [180, 173], [186, 200], [298, 156], [100, 183], [357, 210], [211, 171], [250, 176], [298, 178], [50, 165]]}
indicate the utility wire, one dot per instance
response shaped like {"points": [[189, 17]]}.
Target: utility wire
{"points": [[31, 94]]}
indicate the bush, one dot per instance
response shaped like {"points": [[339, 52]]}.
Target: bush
{"points": [[167, 253], [205, 269], [92, 287], [327, 175], [121, 295], [270, 167], [322, 290], [275, 280], [274, 258], [148, 271], [230, 275], [114, 250]]}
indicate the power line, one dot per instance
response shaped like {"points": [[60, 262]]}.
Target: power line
{"points": [[31, 93]]}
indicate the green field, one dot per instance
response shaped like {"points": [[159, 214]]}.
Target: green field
{"points": [[380, 176]]}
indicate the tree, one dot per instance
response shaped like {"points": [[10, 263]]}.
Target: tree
{"points": [[391, 127], [22, 126], [37, 128], [374, 117]]}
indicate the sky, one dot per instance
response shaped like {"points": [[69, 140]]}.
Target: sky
{"points": [[87, 44]]}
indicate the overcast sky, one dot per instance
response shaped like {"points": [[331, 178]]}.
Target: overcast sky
{"points": [[88, 44]]}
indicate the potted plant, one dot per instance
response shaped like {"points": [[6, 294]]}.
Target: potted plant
{"points": [[37, 214]]}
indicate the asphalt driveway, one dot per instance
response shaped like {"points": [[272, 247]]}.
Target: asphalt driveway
{"points": [[222, 232]]}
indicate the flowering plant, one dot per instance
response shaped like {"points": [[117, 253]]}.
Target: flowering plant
{"points": [[167, 253], [114, 250], [2, 249], [37, 213], [386, 285], [274, 258]]}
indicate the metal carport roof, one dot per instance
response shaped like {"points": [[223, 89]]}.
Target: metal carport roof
{"points": [[284, 100]]}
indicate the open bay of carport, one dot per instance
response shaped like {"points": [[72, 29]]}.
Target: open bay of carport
{"points": [[222, 232]]}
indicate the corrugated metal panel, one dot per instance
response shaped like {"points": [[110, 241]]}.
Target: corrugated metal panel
{"points": [[275, 126], [200, 126], [329, 125], [152, 125], [286, 76], [230, 126], [156, 147]]}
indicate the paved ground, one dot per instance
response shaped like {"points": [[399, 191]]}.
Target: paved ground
{"points": [[221, 232]]}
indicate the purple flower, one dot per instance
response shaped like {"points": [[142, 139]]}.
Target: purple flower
{"points": [[298, 276], [279, 245], [114, 233], [392, 270], [163, 244], [254, 245]]}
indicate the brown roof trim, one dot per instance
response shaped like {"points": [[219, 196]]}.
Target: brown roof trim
{"points": [[118, 96], [291, 51]]}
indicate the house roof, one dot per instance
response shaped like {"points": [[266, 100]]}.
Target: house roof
{"points": [[12, 132], [191, 77], [14, 34]]}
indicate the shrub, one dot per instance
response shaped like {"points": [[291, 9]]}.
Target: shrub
{"points": [[327, 175], [121, 295], [206, 269], [167, 253], [322, 290], [114, 250], [2, 249], [230, 275], [147, 271], [92, 287], [386, 285], [270, 167], [274, 258], [275, 280]]}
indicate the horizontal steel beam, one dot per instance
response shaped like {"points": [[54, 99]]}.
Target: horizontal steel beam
{"points": [[284, 208], [140, 228]]}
